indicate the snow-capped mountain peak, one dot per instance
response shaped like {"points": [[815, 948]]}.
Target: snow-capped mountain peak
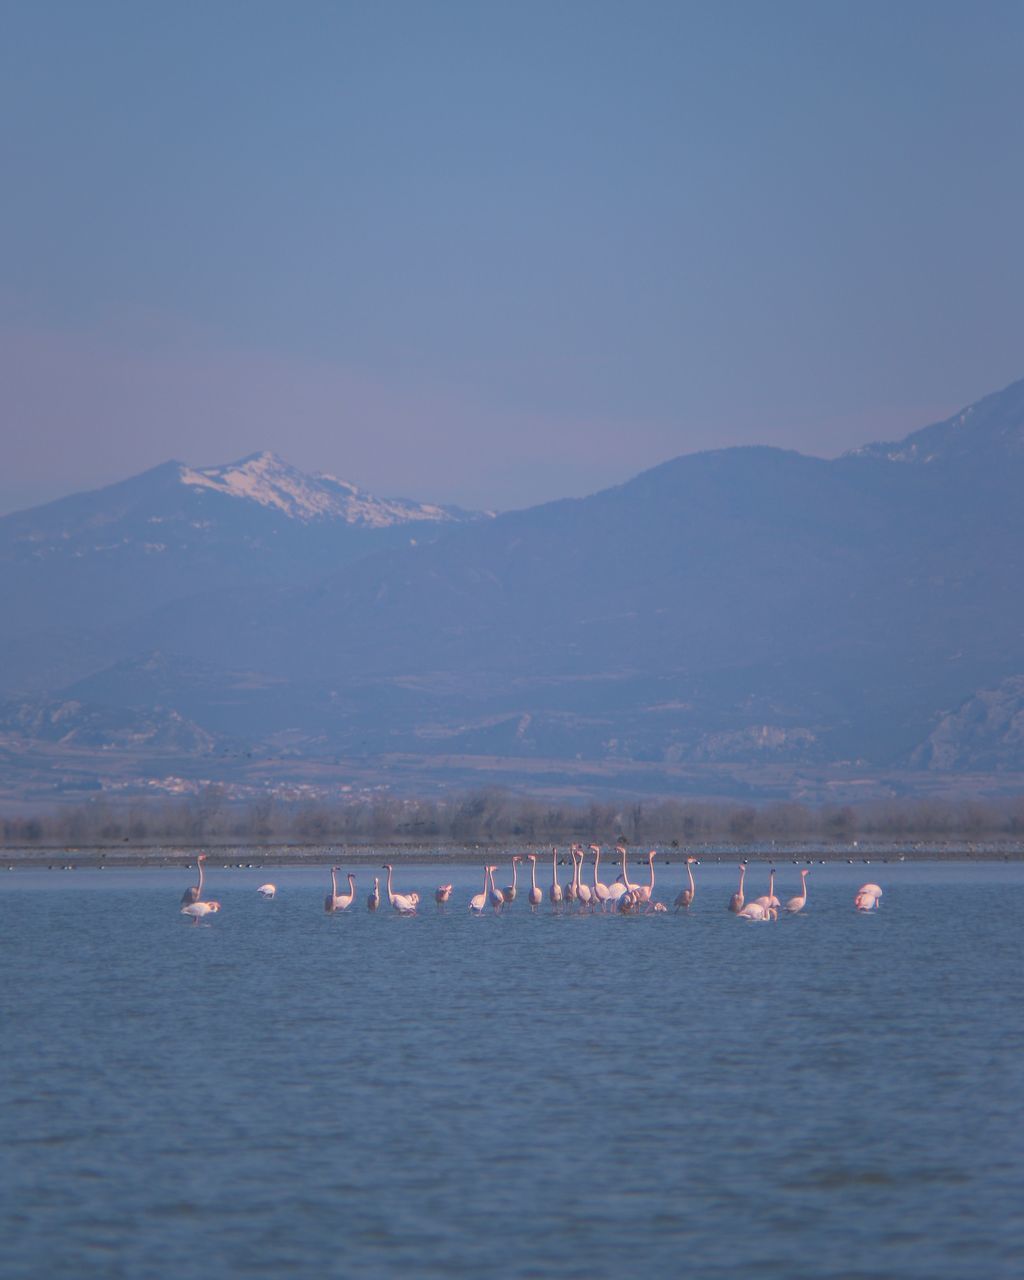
{"points": [[268, 480]]}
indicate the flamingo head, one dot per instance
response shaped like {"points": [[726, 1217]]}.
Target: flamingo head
{"points": [[335, 868], [387, 867], [201, 858], [214, 906], [531, 857]]}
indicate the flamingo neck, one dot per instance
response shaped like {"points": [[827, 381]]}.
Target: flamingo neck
{"points": [[689, 872], [533, 875]]}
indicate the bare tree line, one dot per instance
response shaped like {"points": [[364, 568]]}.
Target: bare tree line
{"points": [[492, 814]]}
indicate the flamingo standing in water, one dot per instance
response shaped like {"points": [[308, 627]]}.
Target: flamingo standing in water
{"points": [[686, 897], [195, 891], [645, 890], [535, 895], [509, 892], [267, 890], [479, 900], [496, 896], [800, 901], [336, 901], [602, 893], [736, 901], [373, 897], [442, 893], [582, 890], [867, 897], [623, 877], [200, 910], [555, 892], [769, 899], [405, 903], [752, 911]]}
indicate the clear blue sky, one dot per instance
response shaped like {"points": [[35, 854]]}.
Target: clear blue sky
{"points": [[495, 253]]}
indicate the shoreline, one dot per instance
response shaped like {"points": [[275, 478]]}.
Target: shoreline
{"points": [[93, 857]]}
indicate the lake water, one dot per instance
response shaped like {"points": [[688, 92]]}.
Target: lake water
{"points": [[279, 1092]]}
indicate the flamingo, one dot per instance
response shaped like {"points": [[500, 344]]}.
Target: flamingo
{"points": [[405, 903], [267, 890], [555, 892], [752, 911], [570, 888], [373, 897], [442, 893], [685, 898], [623, 878], [582, 890], [736, 901], [645, 890], [800, 901], [200, 910], [867, 897], [479, 900], [496, 896], [535, 894], [769, 899], [194, 892], [336, 901], [509, 893], [601, 891]]}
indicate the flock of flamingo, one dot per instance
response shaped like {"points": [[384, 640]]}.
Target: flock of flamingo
{"points": [[621, 895]]}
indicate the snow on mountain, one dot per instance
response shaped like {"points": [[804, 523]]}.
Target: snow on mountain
{"points": [[991, 428], [268, 480]]}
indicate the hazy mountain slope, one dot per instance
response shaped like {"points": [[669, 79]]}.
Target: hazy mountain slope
{"points": [[77, 569], [740, 605]]}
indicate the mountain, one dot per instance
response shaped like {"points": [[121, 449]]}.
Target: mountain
{"points": [[742, 620], [76, 570]]}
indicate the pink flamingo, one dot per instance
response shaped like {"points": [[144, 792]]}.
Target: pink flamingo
{"points": [[404, 903], [479, 900], [752, 911], [200, 910], [195, 891], [555, 892], [800, 901], [582, 890], [373, 897], [685, 898], [769, 899], [601, 891], [645, 890], [336, 901], [509, 893], [867, 897], [497, 897], [442, 893], [535, 895], [736, 901]]}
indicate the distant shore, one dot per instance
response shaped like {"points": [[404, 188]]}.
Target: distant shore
{"points": [[366, 854]]}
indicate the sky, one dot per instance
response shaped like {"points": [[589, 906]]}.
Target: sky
{"points": [[498, 253]]}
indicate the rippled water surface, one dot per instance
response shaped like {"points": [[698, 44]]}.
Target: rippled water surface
{"points": [[284, 1093]]}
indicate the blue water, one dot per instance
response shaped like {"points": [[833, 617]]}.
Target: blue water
{"points": [[283, 1093]]}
